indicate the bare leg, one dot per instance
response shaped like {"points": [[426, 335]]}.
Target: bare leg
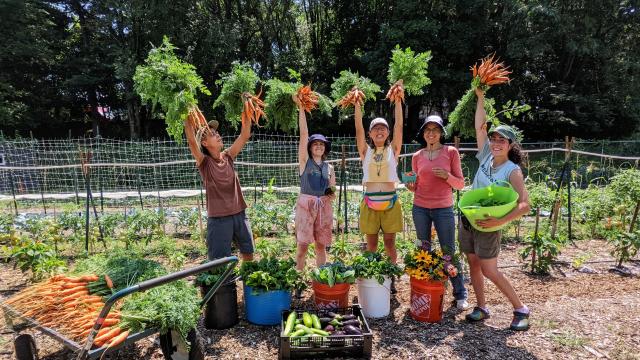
{"points": [[321, 254], [477, 279], [490, 270], [390, 246], [372, 242], [246, 257], [301, 256]]}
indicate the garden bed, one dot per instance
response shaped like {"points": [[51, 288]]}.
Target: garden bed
{"points": [[575, 315]]}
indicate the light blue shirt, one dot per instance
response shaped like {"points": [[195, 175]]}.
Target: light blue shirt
{"points": [[486, 175]]}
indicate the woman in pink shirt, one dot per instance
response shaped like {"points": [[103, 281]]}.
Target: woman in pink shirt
{"points": [[438, 171]]}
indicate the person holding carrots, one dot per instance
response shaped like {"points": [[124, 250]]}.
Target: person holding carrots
{"points": [[379, 153], [438, 171], [227, 220], [314, 212], [500, 155]]}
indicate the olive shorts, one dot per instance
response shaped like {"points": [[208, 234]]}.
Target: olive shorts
{"points": [[372, 221], [486, 245]]}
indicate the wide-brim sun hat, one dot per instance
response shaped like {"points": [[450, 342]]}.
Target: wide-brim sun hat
{"points": [[431, 119], [319, 137]]}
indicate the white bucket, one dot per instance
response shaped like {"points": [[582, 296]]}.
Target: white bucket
{"points": [[375, 298]]}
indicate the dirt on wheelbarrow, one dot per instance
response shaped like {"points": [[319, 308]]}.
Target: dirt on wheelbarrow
{"points": [[581, 311]]}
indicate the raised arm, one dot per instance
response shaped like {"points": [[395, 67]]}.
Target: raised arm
{"points": [[396, 142], [361, 141], [245, 134], [190, 132], [303, 155], [481, 120]]}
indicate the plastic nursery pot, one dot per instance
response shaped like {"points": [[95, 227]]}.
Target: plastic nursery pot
{"points": [[221, 311]]}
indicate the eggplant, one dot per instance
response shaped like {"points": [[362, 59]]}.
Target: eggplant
{"points": [[354, 322], [329, 328], [338, 333], [352, 330], [325, 320], [334, 315], [348, 317]]}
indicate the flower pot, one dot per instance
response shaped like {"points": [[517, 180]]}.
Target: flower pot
{"points": [[221, 311], [375, 298], [427, 300], [331, 297], [265, 307]]}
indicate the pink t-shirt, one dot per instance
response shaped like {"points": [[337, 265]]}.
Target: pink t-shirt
{"points": [[433, 192]]}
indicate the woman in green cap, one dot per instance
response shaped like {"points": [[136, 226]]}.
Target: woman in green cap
{"points": [[500, 156]]}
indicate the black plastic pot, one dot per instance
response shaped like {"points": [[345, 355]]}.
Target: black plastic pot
{"points": [[221, 312]]}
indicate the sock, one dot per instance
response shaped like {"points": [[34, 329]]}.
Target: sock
{"points": [[485, 309], [523, 310]]}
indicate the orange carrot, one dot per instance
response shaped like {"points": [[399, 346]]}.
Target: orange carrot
{"points": [[112, 332], [118, 340]]}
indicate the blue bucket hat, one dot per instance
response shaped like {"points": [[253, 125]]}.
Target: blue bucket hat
{"points": [[435, 119], [319, 137]]}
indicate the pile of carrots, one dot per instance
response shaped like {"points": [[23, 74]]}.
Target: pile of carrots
{"points": [[396, 92], [197, 120], [308, 98], [253, 107], [491, 72], [353, 97], [65, 304]]}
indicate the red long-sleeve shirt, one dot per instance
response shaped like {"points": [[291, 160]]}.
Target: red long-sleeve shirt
{"points": [[431, 191]]}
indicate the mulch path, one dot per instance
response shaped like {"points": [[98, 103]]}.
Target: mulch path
{"points": [[575, 315]]}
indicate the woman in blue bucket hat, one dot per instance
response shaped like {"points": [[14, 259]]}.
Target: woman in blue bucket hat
{"points": [[500, 155], [314, 212]]}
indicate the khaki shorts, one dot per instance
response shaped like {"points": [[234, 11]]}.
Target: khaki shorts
{"points": [[389, 221], [486, 245]]}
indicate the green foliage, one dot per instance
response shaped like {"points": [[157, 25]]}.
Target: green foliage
{"points": [[333, 273], [172, 306], [170, 82], [461, 119], [594, 204], [374, 265], [143, 225], [125, 268], [271, 274], [540, 195], [35, 256], [346, 81], [241, 79], [411, 68], [626, 186], [543, 251], [280, 109], [270, 248], [625, 245]]}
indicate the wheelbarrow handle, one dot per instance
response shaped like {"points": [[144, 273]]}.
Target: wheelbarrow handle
{"points": [[146, 285]]}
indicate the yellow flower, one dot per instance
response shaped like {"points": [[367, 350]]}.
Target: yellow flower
{"points": [[421, 256], [428, 259], [440, 274], [439, 253]]}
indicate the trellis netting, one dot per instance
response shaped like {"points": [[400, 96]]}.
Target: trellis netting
{"points": [[54, 169]]}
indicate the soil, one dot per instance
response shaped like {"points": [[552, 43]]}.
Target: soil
{"points": [[575, 314]]}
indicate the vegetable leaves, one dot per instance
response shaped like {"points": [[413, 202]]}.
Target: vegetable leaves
{"points": [[411, 68], [241, 79]]}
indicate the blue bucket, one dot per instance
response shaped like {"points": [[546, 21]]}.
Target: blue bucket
{"points": [[265, 307]]}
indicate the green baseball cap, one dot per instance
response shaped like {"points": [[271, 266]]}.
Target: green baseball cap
{"points": [[505, 131]]}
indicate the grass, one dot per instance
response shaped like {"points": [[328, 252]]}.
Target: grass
{"points": [[569, 339]]}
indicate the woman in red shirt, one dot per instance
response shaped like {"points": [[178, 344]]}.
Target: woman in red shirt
{"points": [[438, 171]]}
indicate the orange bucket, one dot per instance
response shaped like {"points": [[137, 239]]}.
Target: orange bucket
{"points": [[427, 300], [331, 297]]}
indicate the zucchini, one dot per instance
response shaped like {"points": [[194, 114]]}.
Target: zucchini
{"points": [[316, 321], [304, 328], [291, 320], [306, 319], [320, 332], [297, 333]]}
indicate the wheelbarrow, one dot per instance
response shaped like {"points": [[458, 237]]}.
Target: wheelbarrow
{"points": [[171, 343]]}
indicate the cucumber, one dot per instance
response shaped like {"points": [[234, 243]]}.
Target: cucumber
{"points": [[291, 320], [316, 321], [320, 332], [306, 319], [297, 333], [304, 328]]}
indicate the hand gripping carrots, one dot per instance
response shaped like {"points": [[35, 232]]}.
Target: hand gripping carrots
{"points": [[253, 107], [353, 97], [308, 98], [490, 72]]}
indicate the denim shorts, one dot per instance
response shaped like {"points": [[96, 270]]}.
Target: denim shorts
{"points": [[486, 245], [223, 230]]}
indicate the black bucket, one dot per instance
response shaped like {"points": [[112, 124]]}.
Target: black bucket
{"points": [[221, 312]]}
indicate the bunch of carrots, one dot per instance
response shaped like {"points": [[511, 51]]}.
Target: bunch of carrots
{"points": [[253, 107], [490, 72], [396, 92], [353, 97], [308, 98], [67, 305]]}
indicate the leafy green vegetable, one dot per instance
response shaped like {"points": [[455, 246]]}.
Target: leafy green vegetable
{"points": [[123, 269], [411, 68], [462, 118], [280, 109], [334, 273], [374, 265], [347, 80], [170, 82], [271, 274], [239, 80], [172, 306]]}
